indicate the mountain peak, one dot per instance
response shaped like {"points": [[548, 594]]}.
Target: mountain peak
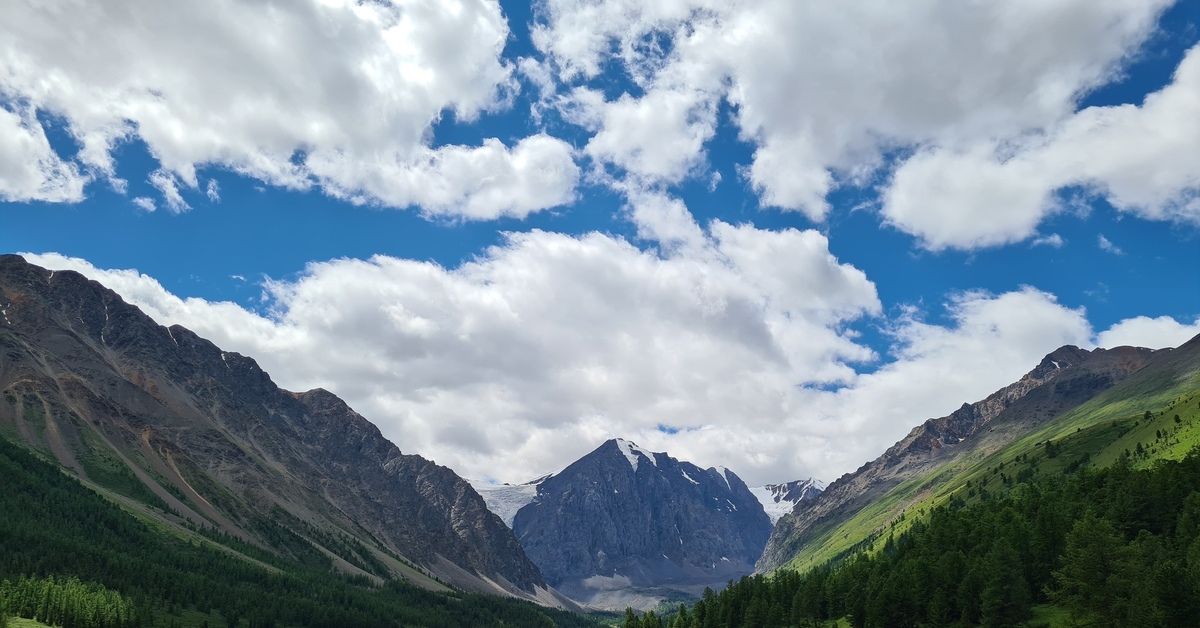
{"points": [[611, 537], [633, 453]]}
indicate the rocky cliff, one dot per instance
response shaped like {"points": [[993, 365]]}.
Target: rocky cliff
{"points": [[170, 423], [623, 525]]}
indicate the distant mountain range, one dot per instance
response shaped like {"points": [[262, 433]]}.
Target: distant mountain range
{"points": [[168, 423]]}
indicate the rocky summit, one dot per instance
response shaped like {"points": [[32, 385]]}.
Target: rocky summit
{"points": [[623, 526]]}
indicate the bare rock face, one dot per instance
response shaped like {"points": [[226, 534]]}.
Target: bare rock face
{"points": [[622, 522], [1063, 380], [206, 436]]}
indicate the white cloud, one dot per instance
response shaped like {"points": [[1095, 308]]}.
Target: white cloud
{"points": [[528, 357], [1107, 246], [1140, 158], [339, 94], [213, 191], [29, 167], [168, 186], [145, 203], [1143, 331], [1053, 240], [824, 91], [538, 350], [659, 137], [474, 183]]}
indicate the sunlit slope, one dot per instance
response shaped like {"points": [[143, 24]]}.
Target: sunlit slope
{"points": [[1137, 417]]}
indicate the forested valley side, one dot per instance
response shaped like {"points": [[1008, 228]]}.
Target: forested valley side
{"points": [[1110, 547], [70, 557]]}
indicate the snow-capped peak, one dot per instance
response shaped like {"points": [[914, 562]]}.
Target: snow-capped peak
{"points": [[631, 451]]}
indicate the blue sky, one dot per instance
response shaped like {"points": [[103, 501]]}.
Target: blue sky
{"points": [[773, 236]]}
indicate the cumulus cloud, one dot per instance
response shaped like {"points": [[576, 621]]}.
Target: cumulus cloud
{"points": [[825, 92], [736, 353], [1141, 158], [1143, 331], [337, 94], [530, 355], [29, 167]]}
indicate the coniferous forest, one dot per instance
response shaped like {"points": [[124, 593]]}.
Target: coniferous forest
{"points": [[1109, 547], [69, 557]]}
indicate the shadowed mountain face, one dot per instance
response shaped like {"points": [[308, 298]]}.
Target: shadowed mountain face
{"points": [[1063, 380], [621, 525], [162, 417]]}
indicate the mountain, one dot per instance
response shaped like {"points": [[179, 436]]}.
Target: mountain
{"points": [[623, 526], [780, 499], [860, 504], [198, 438]]}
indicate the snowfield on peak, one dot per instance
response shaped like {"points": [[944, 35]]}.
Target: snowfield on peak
{"points": [[631, 450]]}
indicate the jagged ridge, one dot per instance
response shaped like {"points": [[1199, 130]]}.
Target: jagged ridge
{"points": [[98, 385]]}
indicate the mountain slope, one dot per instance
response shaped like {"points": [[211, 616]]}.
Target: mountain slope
{"points": [[163, 417], [624, 526], [858, 504]]}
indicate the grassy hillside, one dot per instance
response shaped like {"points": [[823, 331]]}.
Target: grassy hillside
{"points": [[1137, 416], [52, 525], [1109, 547]]}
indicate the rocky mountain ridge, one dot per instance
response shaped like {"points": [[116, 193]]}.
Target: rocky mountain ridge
{"points": [[167, 422], [1064, 379]]}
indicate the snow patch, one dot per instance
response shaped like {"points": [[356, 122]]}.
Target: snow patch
{"points": [[506, 499], [724, 473], [172, 337], [688, 477], [780, 499], [631, 452]]}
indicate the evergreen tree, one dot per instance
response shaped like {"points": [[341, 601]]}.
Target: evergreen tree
{"points": [[1005, 598]]}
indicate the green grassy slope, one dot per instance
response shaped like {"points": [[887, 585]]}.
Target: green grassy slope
{"points": [[53, 525], [1137, 416]]}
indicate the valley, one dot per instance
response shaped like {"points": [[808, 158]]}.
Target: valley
{"points": [[150, 465]]}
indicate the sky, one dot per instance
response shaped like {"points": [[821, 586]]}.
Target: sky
{"points": [[771, 235]]}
